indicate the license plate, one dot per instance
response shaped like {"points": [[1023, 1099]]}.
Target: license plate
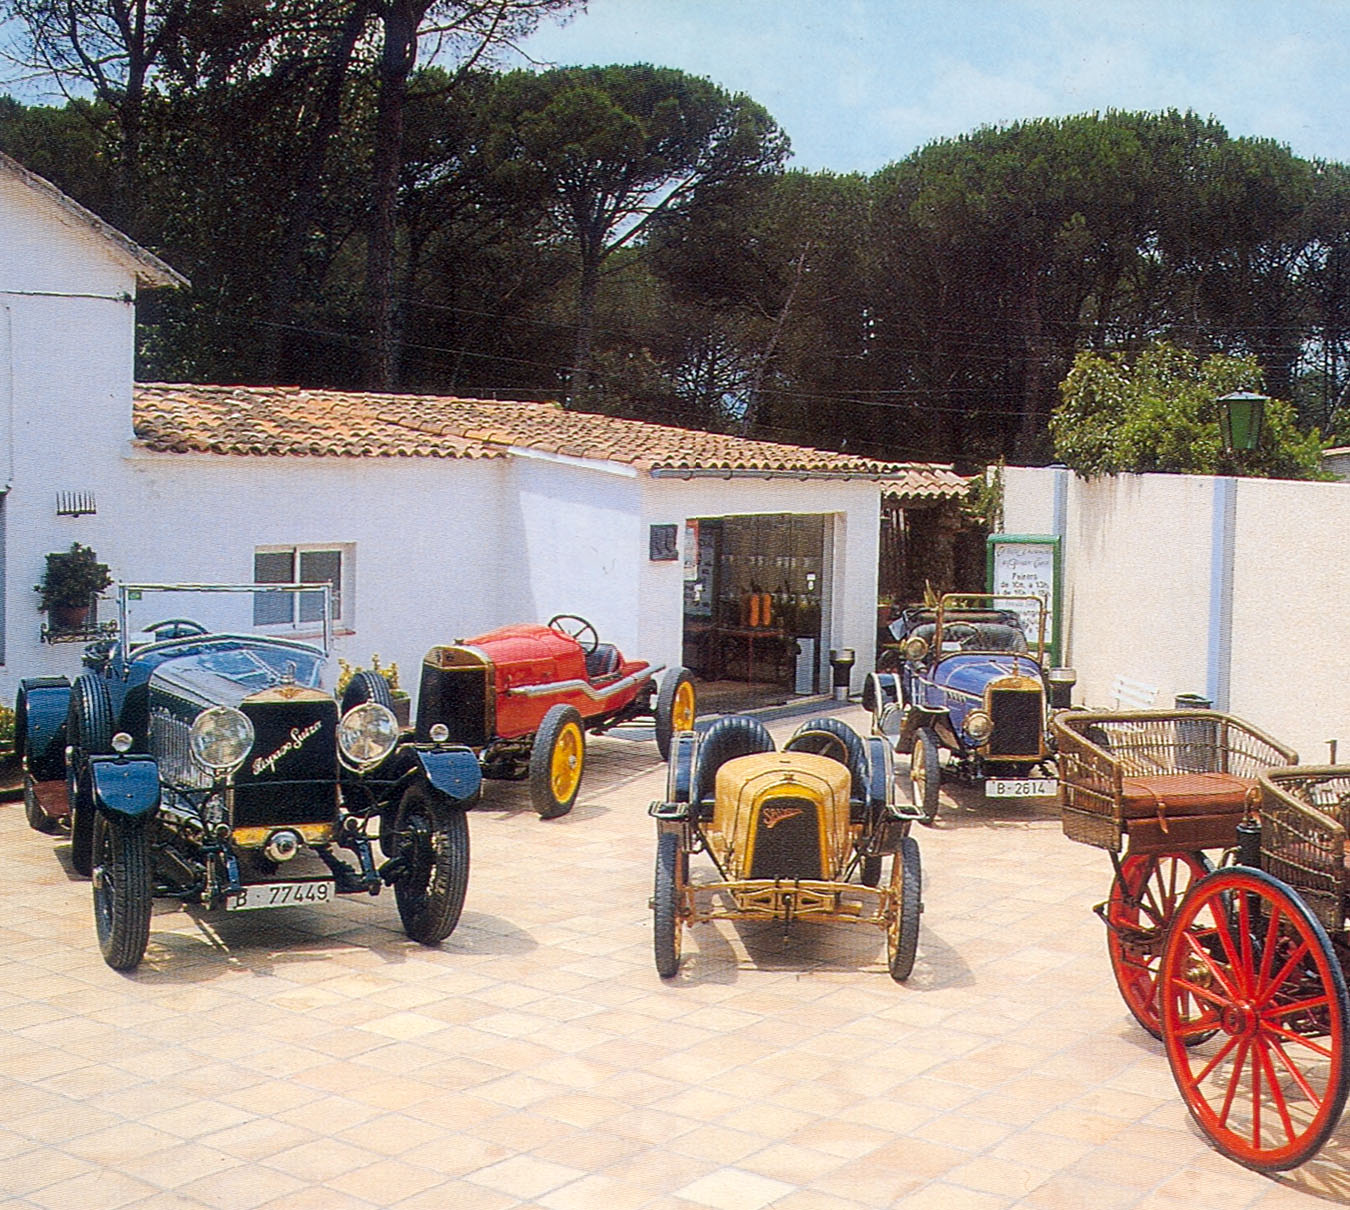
{"points": [[1020, 787], [281, 894]]}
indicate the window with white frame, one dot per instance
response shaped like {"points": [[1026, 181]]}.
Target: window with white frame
{"points": [[318, 563]]}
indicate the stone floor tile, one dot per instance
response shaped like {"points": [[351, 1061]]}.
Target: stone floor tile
{"points": [[734, 1189]]}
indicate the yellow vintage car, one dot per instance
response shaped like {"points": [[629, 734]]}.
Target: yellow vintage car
{"points": [[796, 834]]}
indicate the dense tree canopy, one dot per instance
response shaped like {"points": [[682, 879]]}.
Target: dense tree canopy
{"points": [[356, 209]]}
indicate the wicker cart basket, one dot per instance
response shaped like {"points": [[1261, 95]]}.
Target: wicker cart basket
{"points": [[1169, 780], [1304, 810]]}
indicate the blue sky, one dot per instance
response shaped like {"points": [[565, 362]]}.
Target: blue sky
{"points": [[859, 83]]}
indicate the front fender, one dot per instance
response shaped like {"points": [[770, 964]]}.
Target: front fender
{"points": [[40, 725], [452, 771], [125, 785]]}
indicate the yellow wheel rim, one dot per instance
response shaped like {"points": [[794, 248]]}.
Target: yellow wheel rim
{"points": [[569, 754], [682, 712]]}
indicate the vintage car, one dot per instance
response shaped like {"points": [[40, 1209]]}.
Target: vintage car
{"points": [[213, 767], [523, 697], [797, 834], [970, 682]]}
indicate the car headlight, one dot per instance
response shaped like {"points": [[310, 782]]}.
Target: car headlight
{"points": [[916, 649], [979, 726], [367, 733], [221, 738]]}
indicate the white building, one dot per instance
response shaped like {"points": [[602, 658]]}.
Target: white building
{"points": [[434, 518]]}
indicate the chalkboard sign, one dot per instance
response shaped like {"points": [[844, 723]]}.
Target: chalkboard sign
{"points": [[1028, 565]]}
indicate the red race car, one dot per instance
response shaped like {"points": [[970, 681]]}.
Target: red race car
{"points": [[523, 697]]}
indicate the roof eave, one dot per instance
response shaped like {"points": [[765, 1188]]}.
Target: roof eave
{"points": [[147, 267]]}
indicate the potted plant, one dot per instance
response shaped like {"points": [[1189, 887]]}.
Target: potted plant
{"points": [[72, 582]]}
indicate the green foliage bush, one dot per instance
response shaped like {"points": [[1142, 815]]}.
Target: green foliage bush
{"points": [[1159, 412]]}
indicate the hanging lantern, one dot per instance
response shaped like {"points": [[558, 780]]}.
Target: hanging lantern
{"points": [[1241, 416]]}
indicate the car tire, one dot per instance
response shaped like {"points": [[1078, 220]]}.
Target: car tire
{"points": [[367, 686], [827, 736], [89, 732], [433, 841], [902, 930], [925, 773], [557, 761], [870, 874], [122, 889], [729, 737], [672, 872], [676, 708]]}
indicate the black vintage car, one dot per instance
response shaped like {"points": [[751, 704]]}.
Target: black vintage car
{"points": [[213, 767]]}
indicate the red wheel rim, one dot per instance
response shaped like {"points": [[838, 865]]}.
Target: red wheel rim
{"points": [[1144, 898], [1246, 960]]}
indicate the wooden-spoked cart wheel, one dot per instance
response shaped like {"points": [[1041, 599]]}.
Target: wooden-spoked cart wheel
{"points": [[1144, 898], [1246, 961], [902, 927]]}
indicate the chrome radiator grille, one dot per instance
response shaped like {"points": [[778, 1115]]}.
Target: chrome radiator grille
{"points": [[169, 745]]}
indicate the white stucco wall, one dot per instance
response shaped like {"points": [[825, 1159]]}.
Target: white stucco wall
{"points": [[66, 365], [1140, 563], [1291, 580]]}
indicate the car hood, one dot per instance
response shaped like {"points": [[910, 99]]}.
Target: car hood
{"points": [[223, 675], [971, 671]]}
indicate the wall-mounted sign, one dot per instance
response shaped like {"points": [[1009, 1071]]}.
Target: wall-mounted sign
{"points": [[662, 546], [1028, 565]]}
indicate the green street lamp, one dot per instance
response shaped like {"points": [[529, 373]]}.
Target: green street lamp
{"points": [[1241, 415]]}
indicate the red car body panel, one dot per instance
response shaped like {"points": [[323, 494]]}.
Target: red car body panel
{"points": [[528, 655]]}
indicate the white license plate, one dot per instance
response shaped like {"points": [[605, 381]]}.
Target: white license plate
{"points": [[1020, 787], [281, 894]]}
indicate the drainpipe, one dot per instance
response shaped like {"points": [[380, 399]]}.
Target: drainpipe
{"points": [[1219, 653]]}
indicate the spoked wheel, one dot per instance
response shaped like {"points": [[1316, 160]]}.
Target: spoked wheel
{"points": [[925, 774], [122, 890], [902, 928], [672, 875], [1144, 898], [557, 758], [1247, 962], [432, 838]]}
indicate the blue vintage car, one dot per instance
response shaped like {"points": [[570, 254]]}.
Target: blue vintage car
{"points": [[968, 680], [215, 768]]}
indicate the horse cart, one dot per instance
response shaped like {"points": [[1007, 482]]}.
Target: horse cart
{"points": [[1239, 970]]}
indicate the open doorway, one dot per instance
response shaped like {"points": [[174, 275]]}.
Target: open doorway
{"points": [[755, 590]]}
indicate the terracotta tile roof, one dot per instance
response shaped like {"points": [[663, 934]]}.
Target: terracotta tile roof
{"points": [[293, 421], [926, 481]]}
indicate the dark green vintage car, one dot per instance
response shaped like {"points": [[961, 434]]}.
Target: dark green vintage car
{"points": [[213, 767]]}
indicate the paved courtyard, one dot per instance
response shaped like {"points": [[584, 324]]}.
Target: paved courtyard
{"points": [[317, 1059]]}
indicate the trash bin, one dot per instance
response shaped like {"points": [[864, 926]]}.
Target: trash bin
{"points": [[841, 668], [1061, 682]]}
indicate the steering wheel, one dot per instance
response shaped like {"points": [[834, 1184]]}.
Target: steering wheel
{"points": [[576, 628], [959, 632], [174, 628]]}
